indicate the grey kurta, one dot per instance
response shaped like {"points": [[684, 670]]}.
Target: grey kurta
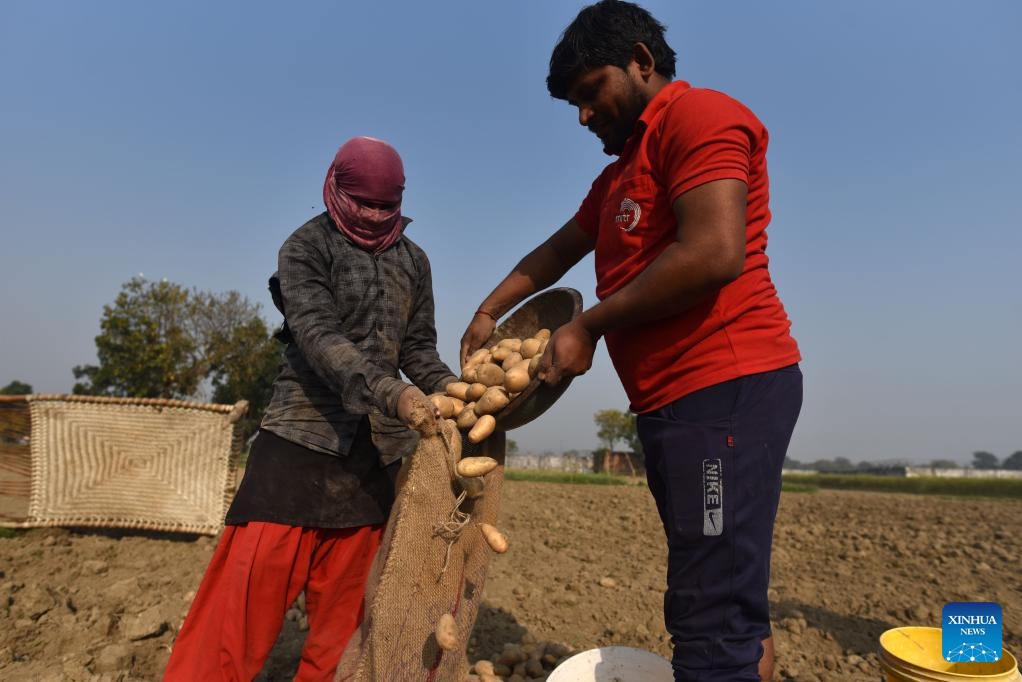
{"points": [[354, 321]]}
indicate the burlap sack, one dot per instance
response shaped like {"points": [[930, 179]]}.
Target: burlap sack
{"points": [[423, 570]]}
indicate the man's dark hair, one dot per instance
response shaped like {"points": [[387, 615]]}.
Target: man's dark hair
{"points": [[605, 34]]}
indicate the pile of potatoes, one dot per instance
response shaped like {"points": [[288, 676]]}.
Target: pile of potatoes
{"points": [[490, 380]]}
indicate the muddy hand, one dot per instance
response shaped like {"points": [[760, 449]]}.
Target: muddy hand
{"points": [[418, 411]]}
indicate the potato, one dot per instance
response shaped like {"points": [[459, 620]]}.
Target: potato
{"points": [[479, 357], [444, 404], [500, 353], [491, 375], [494, 538], [446, 632], [512, 343], [530, 347], [534, 364], [457, 389], [474, 486], [510, 361], [494, 400], [459, 405], [468, 375], [476, 391], [475, 466], [484, 667], [467, 417], [517, 378], [482, 429], [542, 334]]}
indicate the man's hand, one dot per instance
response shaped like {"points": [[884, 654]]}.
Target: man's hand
{"points": [[569, 353], [479, 329], [418, 411]]}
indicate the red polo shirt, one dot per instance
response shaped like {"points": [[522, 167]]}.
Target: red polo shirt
{"points": [[687, 137]]}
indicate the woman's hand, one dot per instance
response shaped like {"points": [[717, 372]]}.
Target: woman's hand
{"points": [[418, 411]]}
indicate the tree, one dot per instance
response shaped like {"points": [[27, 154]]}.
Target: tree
{"points": [[16, 388], [1013, 461], [145, 346], [249, 362], [790, 463], [836, 465], [984, 460], [615, 425], [511, 447], [160, 340], [943, 464]]}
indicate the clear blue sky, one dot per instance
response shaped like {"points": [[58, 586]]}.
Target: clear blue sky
{"points": [[186, 140]]}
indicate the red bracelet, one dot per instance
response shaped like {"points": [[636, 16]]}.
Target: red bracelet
{"points": [[487, 313]]}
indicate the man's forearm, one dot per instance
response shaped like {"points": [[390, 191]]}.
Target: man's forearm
{"points": [[540, 268]]}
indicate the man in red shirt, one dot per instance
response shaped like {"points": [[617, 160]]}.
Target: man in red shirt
{"points": [[692, 321]]}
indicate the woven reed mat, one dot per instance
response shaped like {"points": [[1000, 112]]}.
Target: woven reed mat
{"points": [[15, 459], [409, 587], [163, 465]]}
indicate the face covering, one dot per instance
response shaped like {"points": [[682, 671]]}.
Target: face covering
{"points": [[366, 170]]}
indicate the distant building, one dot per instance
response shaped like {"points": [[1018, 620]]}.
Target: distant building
{"points": [[911, 472], [576, 463]]}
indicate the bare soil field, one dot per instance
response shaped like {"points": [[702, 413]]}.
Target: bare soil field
{"points": [[585, 569]]}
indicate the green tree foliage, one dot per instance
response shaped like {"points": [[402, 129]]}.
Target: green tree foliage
{"points": [[160, 340], [249, 361], [984, 460], [613, 426], [1013, 461], [511, 447], [146, 347], [16, 388]]}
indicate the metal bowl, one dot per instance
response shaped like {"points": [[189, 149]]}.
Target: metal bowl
{"points": [[547, 310]]}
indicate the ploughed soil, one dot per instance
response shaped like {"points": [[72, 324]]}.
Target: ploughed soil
{"points": [[585, 569]]}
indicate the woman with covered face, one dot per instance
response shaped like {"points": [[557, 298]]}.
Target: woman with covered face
{"points": [[357, 299]]}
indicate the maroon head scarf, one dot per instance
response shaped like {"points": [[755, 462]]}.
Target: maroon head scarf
{"points": [[366, 170]]}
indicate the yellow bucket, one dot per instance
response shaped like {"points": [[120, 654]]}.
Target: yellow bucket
{"points": [[913, 654]]}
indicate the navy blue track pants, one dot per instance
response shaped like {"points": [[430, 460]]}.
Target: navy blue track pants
{"points": [[713, 464]]}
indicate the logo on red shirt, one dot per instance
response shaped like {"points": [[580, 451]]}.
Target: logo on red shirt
{"points": [[628, 214]]}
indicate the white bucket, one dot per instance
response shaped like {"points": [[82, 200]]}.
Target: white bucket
{"points": [[614, 664]]}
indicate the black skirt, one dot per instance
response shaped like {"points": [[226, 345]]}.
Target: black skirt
{"points": [[290, 484]]}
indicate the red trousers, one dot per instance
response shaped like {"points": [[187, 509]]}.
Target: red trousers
{"points": [[254, 576]]}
